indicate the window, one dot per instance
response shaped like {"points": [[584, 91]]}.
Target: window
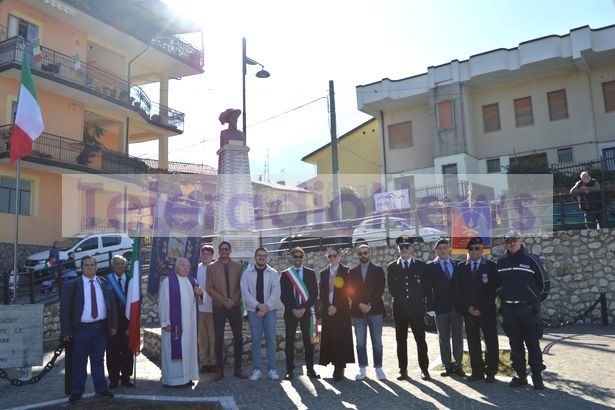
{"points": [[493, 166], [89, 244], [608, 92], [8, 190], [400, 135], [608, 156], [564, 155], [523, 112], [23, 28], [491, 117], [111, 241], [558, 109], [445, 115]]}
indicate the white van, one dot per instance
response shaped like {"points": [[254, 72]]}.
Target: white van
{"points": [[99, 245]]}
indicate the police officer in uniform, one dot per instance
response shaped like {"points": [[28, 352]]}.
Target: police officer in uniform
{"points": [[475, 282], [408, 281], [524, 284]]}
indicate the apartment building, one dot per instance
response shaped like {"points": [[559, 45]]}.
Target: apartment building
{"points": [[89, 60], [551, 100]]}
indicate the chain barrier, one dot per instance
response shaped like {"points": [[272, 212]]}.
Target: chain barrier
{"points": [[38, 377], [601, 300]]}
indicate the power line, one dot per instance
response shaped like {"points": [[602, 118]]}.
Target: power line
{"points": [[289, 111]]}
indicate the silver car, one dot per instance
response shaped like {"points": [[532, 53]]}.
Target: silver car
{"points": [[375, 231]]}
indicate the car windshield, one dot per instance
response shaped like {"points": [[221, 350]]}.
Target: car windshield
{"points": [[68, 243]]}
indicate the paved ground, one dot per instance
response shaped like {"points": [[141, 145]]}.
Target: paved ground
{"points": [[579, 374]]}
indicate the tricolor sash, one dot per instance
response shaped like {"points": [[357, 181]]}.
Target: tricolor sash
{"points": [[293, 275], [117, 289]]}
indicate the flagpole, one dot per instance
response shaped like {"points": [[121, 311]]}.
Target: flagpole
{"points": [[16, 233]]}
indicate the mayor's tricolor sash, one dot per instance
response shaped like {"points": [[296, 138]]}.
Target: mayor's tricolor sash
{"points": [[293, 275], [117, 289]]}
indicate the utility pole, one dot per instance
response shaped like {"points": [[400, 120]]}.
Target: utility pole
{"points": [[334, 162]]}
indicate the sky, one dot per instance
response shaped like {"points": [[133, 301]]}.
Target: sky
{"points": [[306, 44]]}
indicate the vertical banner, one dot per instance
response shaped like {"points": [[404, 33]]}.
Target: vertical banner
{"points": [[471, 221]]}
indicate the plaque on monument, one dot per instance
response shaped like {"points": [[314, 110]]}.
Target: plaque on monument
{"points": [[21, 336]]}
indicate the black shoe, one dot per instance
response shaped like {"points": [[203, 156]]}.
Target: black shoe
{"points": [[447, 372], [289, 375], [312, 374], [459, 371], [425, 375], [113, 384], [403, 375], [74, 398], [537, 382], [105, 393], [490, 379], [338, 374], [518, 381], [127, 383], [474, 377]]}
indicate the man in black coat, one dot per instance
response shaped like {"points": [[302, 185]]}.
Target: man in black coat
{"points": [[475, 282], [336, 336], [87, 316], [587, 190], [120, 358], [299, 292], [366, 286], [409, 286], [448, 321]]}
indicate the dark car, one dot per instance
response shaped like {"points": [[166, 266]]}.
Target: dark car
{"points": [[311, 239]]}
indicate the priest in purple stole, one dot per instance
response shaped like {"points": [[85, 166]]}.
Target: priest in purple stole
{"points": [[179, 296]]}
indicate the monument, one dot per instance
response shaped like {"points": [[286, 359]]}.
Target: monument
{"points": [[234, 214]]}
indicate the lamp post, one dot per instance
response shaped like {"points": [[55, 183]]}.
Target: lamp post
{"points": [[245, 60]]}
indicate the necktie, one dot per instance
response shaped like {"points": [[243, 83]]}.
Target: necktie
{"points": [[93, 300], [448, 272], [406, 267], [120, 282], [474, 267]]}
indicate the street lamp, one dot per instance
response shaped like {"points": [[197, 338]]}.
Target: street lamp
{"points": [[245, 60]]}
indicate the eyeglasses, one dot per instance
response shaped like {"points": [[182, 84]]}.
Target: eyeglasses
{"points": [[511, 240], [88, 264], [405, 246], [261, 255], [362, 253], [298, 256], [332, 256], [475, 248]]}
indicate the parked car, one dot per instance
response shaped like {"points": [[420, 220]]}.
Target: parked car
{"points": [[376, 231], [315, 239], [99, 245]]}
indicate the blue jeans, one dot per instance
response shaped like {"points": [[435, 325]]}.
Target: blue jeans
{"points": [[361, 324], [89, 341], [257, 326]]}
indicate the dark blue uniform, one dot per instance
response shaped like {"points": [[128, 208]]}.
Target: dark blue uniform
{"points": [[524, 284], [477, 288]]}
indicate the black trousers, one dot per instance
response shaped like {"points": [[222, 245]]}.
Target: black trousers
{"points": [[417, 324], [522, 324], [291, 323], [488, 325], [234, 319], [119, 357]]}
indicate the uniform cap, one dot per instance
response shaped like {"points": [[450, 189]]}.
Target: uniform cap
{"points": [[404, 240], [477, 240], [512, 234]]}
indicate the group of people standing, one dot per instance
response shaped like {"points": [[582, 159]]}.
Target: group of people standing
{"points": [[455, 293]]}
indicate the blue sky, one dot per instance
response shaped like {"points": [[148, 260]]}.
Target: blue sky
{"points": [[352, 42]]}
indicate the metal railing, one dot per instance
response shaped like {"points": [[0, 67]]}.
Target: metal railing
{"points": [[60, 67], [63, 150], [180, 49]]}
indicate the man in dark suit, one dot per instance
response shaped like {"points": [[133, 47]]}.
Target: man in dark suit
{"points": [[299, 292], [409, 286], [475, 283], [119, 357], [448, 321], [366, 284], [87, 316]]}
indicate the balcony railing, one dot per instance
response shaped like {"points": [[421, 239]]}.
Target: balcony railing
{"points": [[180, 49], [60, 67], [58, 150]]}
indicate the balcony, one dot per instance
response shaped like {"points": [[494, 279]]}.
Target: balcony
{"points": [[63, 152], [59, 67]]}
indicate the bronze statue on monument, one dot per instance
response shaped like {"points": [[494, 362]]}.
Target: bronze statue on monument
{"points": [[231, 135]]}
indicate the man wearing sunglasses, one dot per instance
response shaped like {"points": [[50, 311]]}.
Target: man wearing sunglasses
{"points": [[299, 292], [475, 282], [408, 281], [366, 284], [524, 284], [448, 321]]}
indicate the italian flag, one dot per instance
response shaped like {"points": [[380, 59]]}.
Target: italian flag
{"points": [[133, 300], [29, 120]]}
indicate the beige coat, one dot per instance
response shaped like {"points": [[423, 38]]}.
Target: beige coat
{"points": [[215, 284]]}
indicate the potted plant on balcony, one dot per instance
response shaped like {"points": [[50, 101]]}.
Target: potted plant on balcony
{"points": [[91, 144]]}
